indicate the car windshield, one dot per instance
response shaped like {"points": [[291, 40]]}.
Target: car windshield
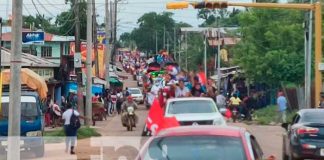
{"points": [[196, 147], [135, 91], [192, 106], [312, 117], [28, 110]]}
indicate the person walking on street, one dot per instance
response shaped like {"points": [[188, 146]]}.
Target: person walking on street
{"points": [[221, 100], [70, 130], [55, 114], [282, 107]]}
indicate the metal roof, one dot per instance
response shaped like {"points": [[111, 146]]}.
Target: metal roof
{"points": [[28, 60]]}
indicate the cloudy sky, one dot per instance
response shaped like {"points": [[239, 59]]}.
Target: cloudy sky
{"points": [[129, 10]]}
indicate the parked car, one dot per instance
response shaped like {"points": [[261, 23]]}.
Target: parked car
{"points": [[304, 138], [194, 111], [137, 95], [202, 142], [32, 124]]}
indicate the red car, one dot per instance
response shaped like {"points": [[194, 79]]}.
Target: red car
{"points": [[202, 142]]}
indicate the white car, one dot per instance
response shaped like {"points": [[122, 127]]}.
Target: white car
{"points": [[194, 111], [137, 95]]}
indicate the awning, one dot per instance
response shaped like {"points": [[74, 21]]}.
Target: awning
{"points": [[97, 80], [31, 79], [115, 82]]}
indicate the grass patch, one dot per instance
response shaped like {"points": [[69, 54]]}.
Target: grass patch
{"points": [[59, 135], [267, 115]]}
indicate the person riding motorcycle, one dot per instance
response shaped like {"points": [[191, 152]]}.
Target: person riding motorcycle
{"points": [[235, 102], [124, 106]]}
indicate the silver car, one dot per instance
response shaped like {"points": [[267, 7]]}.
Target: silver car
{"points": [[194, 111], [137, 95]]}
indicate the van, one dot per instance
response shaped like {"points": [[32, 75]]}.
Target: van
{"points": [[32, 123]]}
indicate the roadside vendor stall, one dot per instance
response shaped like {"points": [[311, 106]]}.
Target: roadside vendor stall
{"points": [[29, 78]]}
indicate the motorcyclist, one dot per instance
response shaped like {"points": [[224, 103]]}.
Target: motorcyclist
{"points": [[235, 102], [124, 106]]}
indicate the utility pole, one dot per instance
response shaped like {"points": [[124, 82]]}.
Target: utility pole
{"points": [[112, 18], [94, 38], [218, 61], [205, 54], [179, 61], [107, 48], [168, 45], [15, 83], [78, 71], [186, 36], [88, 63], [174, 43], [164, 37], [77, 26], [0, 42], [115, 25], [156, 43], [308, 56]]}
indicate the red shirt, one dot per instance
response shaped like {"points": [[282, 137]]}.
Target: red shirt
{"points": [[95, 99]]}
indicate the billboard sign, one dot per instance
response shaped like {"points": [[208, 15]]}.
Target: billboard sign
{"points": [[33, 37]]}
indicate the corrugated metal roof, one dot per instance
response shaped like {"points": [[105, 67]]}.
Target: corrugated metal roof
{"points": [[28, 60]]}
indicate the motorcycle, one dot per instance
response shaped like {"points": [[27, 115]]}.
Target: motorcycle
{"points": [[130, 118], [235, 113]]}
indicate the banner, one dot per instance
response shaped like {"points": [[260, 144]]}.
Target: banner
{"points": [[33, 37], [101, 51]]}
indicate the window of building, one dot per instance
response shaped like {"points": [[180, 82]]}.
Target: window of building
{"points": [[31, 50], [46, 51]]}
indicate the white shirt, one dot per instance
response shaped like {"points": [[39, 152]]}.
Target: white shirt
{"points": [[67, 116], [220, 99], [181, 92]]}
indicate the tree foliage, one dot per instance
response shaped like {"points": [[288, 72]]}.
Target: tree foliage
{"points": [[63, 24], [151, 28], [220, 17], [272, 47]]}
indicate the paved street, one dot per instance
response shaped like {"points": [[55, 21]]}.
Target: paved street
{"points": [[119, 143]]}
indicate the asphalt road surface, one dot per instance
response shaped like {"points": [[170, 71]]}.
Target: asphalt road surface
{"points": [[118, 143]]}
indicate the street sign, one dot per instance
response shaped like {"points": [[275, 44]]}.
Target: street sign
{"points": [[321, 66], [33, 37], [77, 60]]}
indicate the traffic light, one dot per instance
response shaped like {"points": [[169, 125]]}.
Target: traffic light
{"points": [[210, 5], [177, 5], [197, 5]]}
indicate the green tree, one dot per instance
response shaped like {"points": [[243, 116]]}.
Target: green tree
{"points": [[221, 17], [39, 22], [150, 25], [272, 47], [65, 21]]}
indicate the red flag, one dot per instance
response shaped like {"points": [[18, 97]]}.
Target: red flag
{"points": [[169, 122], [202, 78], [155, 117]]}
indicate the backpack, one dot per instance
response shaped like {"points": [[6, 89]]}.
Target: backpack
{"points": [[75, 121]]}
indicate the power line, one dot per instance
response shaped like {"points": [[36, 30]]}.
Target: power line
{"points": [[52, 5], [45, 9], [27, 9], [69, 30]]}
